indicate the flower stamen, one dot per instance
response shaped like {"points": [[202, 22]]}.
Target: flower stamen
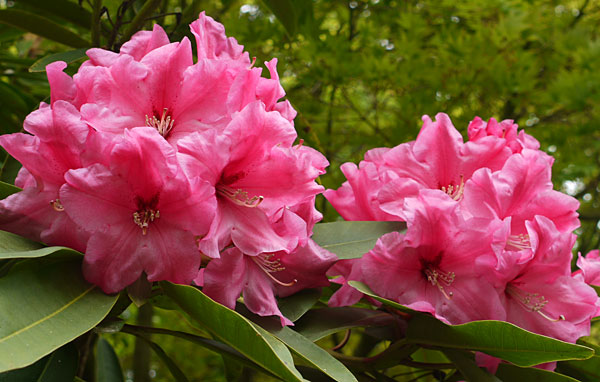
{"points": [[518, 242], [144, 218], [240, 197], [533, 302], [269, 266], [455, 191], [437, 278], [164, 125], [57, 205]]}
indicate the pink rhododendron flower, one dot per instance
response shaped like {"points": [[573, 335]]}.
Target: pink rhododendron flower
{"points": [[590, 267], [256, 173], [37, 212], [506, 130], [141, 211], [434, 267], [261, 277]]}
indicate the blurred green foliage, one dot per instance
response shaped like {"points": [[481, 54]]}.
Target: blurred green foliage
{"points": [[361, 74]]}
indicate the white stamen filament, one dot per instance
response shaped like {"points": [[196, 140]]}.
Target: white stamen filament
{"points": [[240, 197], [143, 219], [455, 191], [532, 302], [164, 125], [437, 278], [57, 205], [268, 265], [518, 242]]}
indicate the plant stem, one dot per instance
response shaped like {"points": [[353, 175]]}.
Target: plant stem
{"points": [[139, 19], [141, 354], [95, 24]]}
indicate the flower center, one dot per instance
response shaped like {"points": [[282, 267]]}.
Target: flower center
{"points": [[440, 279], [269, 265], [57, 205], [533, 302], [239, 196], [146, 213], [455, 191], [164, 125], [518, 242]]}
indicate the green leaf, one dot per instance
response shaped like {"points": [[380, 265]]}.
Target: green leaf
{"points": [[286, 14], [303, 347], [514, 373], [108, 368], [175, 371], [497, 338], [45, 304], [7, 189], [59, 366], [41, 26], [235, 330], [68, 57], [352, 239], [294, 306], [466, 365], [584, 371], [67, 10], [17, 247], [319, 323]]}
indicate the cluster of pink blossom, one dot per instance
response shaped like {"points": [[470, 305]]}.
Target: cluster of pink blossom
{"points": [[487, 236], [151, 163]]}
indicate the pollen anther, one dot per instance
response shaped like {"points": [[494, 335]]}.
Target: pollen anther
{"points": [[164, 125], [533, 302], [57, 205], [455, 191], [269, 266], [144, 218], [240, 197], [437, 278]]}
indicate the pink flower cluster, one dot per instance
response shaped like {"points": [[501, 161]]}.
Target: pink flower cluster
{"points": [[152, 163], [487, 236]]}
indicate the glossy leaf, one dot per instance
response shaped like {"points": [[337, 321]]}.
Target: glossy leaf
{"points": [[41, 26], [235, 330], [584, 371], [319, 323], [294, 306], [59, 366], [108, 368], [303, 347], [16, 247], [466, 365], [68, 57], [7, 189], [508, 372], [352, 239], [45, 304], [497, 338]]}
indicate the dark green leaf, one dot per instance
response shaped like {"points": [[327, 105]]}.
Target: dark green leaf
{"points": [[352, 239], [514, 373], [302, 346], [497, 338], [235, 331], [59, 366], [286, 14], [584, 371], [294, 306], [466, 365], [43, 305], [319, 323], [108, 368], [64, 9], [68, 57], [41, 26], [7, 189]]}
